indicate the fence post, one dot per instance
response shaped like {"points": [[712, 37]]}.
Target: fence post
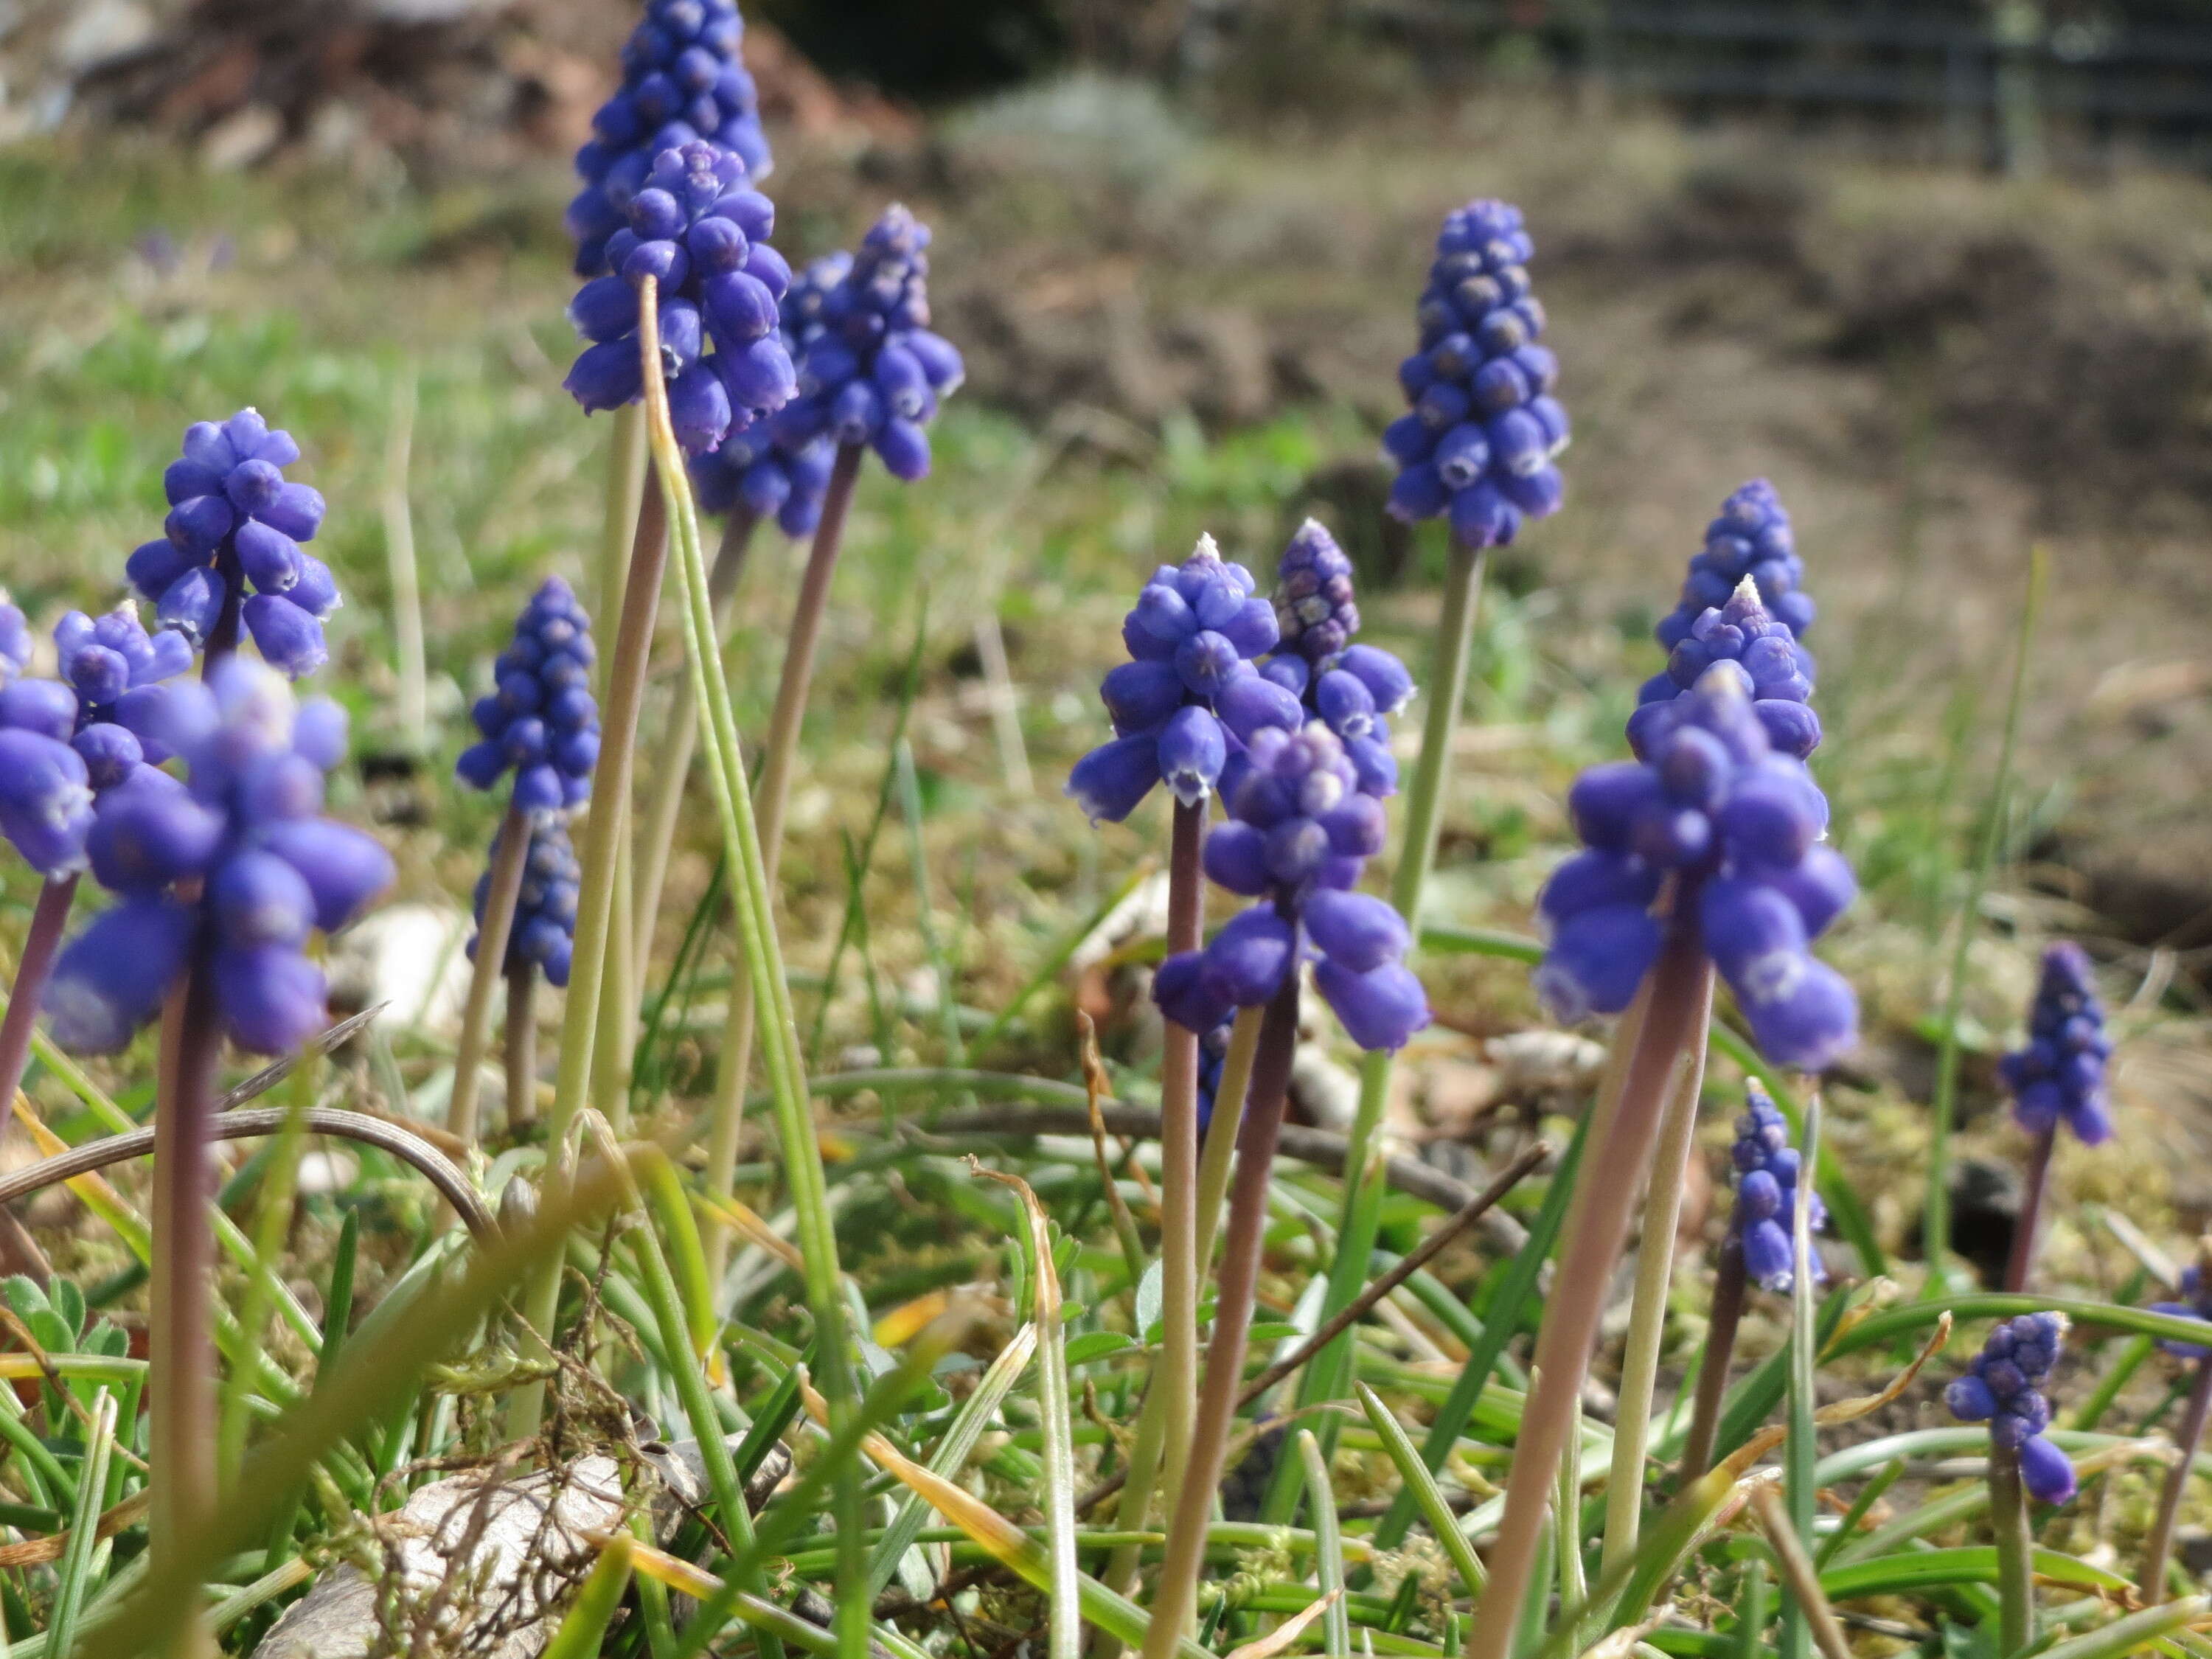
{"points": [[2018, 27]]}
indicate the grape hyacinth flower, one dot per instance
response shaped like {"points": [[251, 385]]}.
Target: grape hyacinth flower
{"points": [[1766, 1167], [236, 521], [684, 79], [1354, 690], [1190, 694], [1299, 835], [874, 374], [1479, 444], [1751, 539], [1773, 670], [245, 834], [2196, 1303], [541, 722], [1728, 830], [2059, 1077], [2003, 1389], [544, 933], [700, 230]]}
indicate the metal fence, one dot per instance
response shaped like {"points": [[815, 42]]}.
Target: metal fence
{"points": [[2009, 82]]}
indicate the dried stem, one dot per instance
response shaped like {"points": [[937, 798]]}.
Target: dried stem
{"points": [[522, 1045], [2158, 1548], [773, 796], [1606, 1187], [1727, 1313], [1175, 1596], [510, 858], [679, 743], [1647, 1319], [19, 1252], [2020, 1261]]}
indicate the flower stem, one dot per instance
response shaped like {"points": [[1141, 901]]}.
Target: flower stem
{"points": [[1366, 1181], [508, 862], [2158, 1548], [1936, 1223], [2019, 1262], [2016, 1558], [679, 743], [19, 1251], [1647, 1319], [1176, 1598], [777, 758], [1221, 1134], [522, 1045], [180, 1392], [617, 1035], [1676, 989], [1727, 1314]]}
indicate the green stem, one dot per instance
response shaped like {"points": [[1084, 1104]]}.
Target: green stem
{"points": [[752, 892], [1647, 1319], [1604, 1201], [2015, 1553], [1328, 1377], [778, 756], [510, 858], [1935, 1227], [679, 744], [1176, 1599]]}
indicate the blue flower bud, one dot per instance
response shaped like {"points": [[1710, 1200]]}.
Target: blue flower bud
{"points": [[110, 979], [1245, 961], [1380, 1009], [1357, 930]]}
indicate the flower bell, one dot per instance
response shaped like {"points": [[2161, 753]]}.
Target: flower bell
{"points": [[2003, 1389], [541, 723]]}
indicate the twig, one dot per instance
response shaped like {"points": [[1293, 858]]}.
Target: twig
{"points": [[1798, 1570]]}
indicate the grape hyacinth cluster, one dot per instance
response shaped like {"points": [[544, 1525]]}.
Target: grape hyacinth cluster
{"points": [[1763, 1226], [1479, 445], [62, 745], [1299, 835], [2059, 1077], [2196, 1304], [701, 231], [235, 517], [543, 935], [1189, 693], [1750, 538], [2003, 1389], [237, 861], [1759, 652], [683, 80], [541, 722], [871, 372], [1351, 689], [1728, 830]]}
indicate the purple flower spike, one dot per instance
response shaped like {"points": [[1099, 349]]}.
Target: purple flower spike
{"points": [[2060, 1075], [541, 722], [1190, 700], [870, 370], [242, 837], [1479, 446], [235, 523], [684, 78], [544, 931], [1766, 1197], [2196, 1304], [1296, 808], [1716, 825], [1751, 540], [2003, 1388], [1350, 688], [691, 220]]}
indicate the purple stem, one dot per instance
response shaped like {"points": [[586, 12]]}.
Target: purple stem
{"points": [[1179, 1275], [19, 1252], [1177, 1591], [522, 1045], [1728, 1285], [2021, 1259], [181, 1384], [2158, 1548], [223, 638], [1605, 1202]]}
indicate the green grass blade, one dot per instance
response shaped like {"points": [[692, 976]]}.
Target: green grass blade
{"points": [[1398, 1445], [953, 1451], [73, 1579], [584, 1631], [1801, 1448], [932, 948], [1976, 1563], [1328, 1553], [2131, 1633]]}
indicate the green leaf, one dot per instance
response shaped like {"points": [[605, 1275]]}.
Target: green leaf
{"points": [[1096, 1345], [1977, 1564]]}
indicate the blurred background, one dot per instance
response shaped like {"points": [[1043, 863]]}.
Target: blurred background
{"points": [[1941, 269]]}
